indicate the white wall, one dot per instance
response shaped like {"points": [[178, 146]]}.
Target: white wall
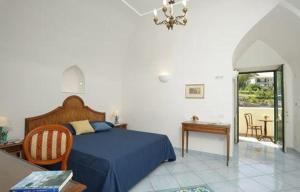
{"points": [[258, 55], [196, 53], [39, 39]]}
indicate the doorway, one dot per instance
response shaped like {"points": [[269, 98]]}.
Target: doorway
{"points": [[260, 107]]}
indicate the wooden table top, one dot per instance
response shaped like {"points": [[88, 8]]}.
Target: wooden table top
{"points": [[14, 169], [265, 120], [206, 123], [10, 144]]}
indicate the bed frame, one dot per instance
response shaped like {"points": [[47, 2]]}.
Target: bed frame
{"points": [[73, 109]]}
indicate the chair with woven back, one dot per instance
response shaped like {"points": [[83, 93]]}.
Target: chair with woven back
{"points": [[47, 145], [251, 126]]}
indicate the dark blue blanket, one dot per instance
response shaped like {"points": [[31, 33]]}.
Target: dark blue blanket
{"points": [[115, 160]]}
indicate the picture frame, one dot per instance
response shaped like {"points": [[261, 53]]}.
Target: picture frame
{"points": [[194, 91]]}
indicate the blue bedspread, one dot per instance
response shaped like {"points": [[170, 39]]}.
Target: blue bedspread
{"points": [[115, 160]]}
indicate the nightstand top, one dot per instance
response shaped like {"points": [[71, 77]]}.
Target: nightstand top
{"points": [[11, 144], [120, 124]]}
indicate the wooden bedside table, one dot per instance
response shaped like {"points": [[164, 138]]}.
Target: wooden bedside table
{"points": [[121, 125], [13, 148]]}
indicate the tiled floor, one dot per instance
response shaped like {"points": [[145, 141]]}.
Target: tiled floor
{"points": [[255, 167]]}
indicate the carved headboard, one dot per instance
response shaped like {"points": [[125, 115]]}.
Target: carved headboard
{"points": [[73, 109]]}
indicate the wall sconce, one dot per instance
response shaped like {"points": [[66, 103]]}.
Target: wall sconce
{"points": [[164, 77]]}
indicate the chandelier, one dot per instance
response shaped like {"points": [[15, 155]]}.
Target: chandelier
{"points": [[171, 19]]}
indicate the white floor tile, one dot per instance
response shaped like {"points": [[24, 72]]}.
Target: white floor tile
{"points": [[249, 185], [254, 168], [161, 170], [225, 187], [188, 179], [177, 168], [210, 176], [143, 185], [250, 171], [231, 173], [164, 182]]}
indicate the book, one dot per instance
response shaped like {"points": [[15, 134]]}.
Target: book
{"points": [[43, 181]]}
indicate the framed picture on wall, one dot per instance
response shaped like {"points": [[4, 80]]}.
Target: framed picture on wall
{"points": [[194, 91]]}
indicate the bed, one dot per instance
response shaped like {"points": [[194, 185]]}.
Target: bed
{"points": [[110, 161]]}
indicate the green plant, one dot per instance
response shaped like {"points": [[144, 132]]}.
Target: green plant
{"points": [[3, 135], [254, 94], [244, 79]]}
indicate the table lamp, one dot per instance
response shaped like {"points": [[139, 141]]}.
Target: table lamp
{"points": [[116, 116], [3, 132]]}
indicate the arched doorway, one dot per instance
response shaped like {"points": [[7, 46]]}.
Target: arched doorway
{"points": [[257, 58]]}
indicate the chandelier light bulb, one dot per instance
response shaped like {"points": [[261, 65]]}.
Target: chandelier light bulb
{"points": [[184, 3], [165, 3], [155, 12]]}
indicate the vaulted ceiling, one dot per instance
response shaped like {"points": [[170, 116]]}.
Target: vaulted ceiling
{"points": [[143, 7], [280, 30], [295, 3], [146, 6]]}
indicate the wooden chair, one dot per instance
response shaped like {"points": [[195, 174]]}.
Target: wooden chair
{"points": [[47, 145], [249, 122]]}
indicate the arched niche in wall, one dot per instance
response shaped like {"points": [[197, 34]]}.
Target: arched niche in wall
{"points": [[73, 80]]}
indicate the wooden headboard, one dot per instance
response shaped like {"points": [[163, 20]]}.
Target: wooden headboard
{"points": [[73, 109]]}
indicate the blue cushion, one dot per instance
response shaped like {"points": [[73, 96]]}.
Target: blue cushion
{"points": [[70, 127], [100, 126], [110, 124]]}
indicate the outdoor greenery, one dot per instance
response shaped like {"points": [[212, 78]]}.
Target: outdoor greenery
{"points": [[244, 79], [254, 94]]}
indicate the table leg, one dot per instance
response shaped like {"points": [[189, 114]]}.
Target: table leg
{"points": [[228, 147], [266, 132], [265, 135], [182, 143], [187, 141]]}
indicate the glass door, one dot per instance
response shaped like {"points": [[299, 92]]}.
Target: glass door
{"points": [[237, 107], [279, 107]]}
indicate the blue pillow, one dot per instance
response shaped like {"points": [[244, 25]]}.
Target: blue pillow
{"points": [[110, 124], [100, 126], [70, 127]]}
